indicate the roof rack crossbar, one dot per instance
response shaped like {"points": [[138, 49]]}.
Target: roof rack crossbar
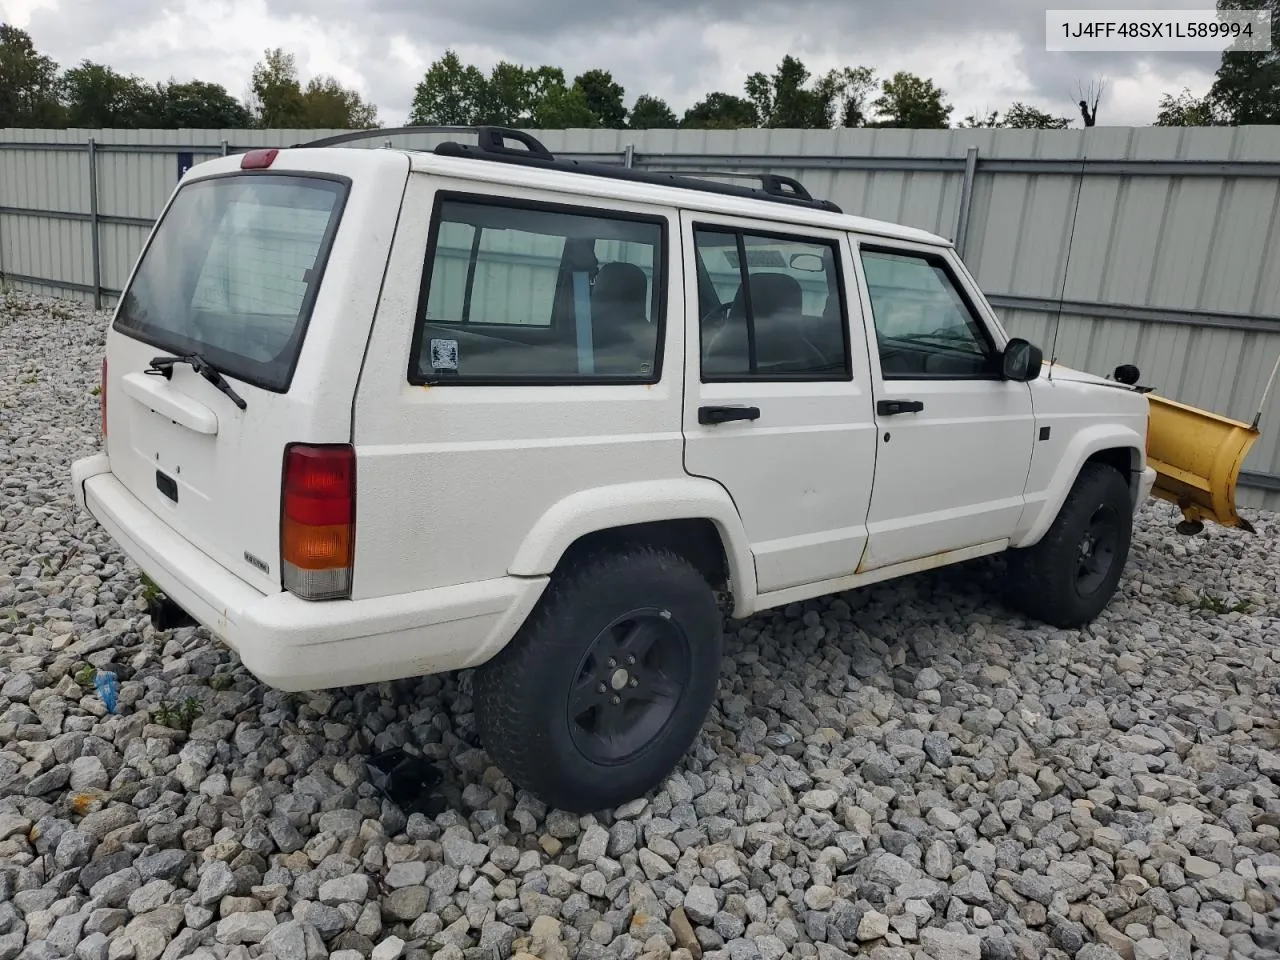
{"points": [[774, 184], [355, 135], [491, 146]]}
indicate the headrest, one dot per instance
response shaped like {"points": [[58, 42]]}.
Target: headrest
{"points": [[621, 282], [775, 293]]}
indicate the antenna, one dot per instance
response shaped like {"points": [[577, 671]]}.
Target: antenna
{"points": [[1262, 404], [1066, 267]]}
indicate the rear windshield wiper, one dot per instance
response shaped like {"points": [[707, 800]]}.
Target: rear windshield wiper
{"points": [[163, 367]]}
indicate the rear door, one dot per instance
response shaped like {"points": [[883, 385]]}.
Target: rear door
{"points": [[271, 276], [522, 367], [778, 394], [955, 436]]}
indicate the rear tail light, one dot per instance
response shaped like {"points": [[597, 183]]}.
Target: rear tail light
{"points": [[317, 520], [102, 398]]}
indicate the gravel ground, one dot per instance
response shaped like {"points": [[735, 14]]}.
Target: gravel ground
{"points": [[905, 772]]}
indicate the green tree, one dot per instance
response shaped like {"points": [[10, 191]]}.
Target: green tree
{"points": [[910, 101], [28, 83], [556, 106], [603, 97], [782, 100], [277, 100], [327, 104], [97, 96], [651, 113], [852, 93], [985, 119], [452, 93], [1247, 87], [197, 105], [506, 97], [1188, 110], [1019, 116], [720, 111]]}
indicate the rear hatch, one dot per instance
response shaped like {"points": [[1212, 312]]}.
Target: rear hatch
{"points": [[233, 275]]}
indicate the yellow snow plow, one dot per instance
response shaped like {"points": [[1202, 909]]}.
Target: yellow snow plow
{"points": [[1197, 456]]}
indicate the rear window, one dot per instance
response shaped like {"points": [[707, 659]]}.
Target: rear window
{"points": [[232, 273]]}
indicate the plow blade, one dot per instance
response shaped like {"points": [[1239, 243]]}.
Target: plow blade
{"points": [[1197, 457]]}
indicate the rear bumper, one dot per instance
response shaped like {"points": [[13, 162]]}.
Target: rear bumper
{"points": [[294, 644]]}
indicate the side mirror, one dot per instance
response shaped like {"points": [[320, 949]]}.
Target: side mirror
{"points": [[1127, 374], [1022, 360]]}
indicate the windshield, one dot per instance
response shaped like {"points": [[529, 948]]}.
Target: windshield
{"points": [[232, 272]]}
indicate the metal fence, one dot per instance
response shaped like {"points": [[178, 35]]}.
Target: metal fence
{"points": [[1156, 246]]}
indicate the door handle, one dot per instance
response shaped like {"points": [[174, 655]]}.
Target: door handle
{"points": [[714, 415], [887, 408]]}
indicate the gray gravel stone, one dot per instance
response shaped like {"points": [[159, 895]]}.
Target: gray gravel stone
{"points": [[409, 873], [700, 903], [988, 786], [406, 904], [246, 927], [350, 889], [594, 844], [88, 773], [947, 945], [215, 883]]}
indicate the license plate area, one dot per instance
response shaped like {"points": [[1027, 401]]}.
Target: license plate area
{"points": [[167, 485]]}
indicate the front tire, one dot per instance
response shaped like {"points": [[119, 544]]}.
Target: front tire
{"points": [[605, 687], [1067, 578]]}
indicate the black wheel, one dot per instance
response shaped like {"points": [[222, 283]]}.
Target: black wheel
{"points": [[605, 687], [1068, 577]]}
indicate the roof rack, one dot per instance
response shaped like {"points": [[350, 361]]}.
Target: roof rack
{"points": [[491, 145]]}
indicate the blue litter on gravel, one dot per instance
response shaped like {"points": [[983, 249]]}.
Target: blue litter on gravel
{"points": [[107, 688]]}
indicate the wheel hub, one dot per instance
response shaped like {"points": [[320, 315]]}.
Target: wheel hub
{"points": [[1096, 552], [628, 685]]}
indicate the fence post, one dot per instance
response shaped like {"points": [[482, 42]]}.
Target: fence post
{"points": [[93, 223], [629, 155], [225, 146], [966, 199]]}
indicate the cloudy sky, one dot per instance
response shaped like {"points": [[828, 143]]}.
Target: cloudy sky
{"points": [[984, 53]]}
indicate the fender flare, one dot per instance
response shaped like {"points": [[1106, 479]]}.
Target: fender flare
{"points": [[1082, 446], [619, 505]]}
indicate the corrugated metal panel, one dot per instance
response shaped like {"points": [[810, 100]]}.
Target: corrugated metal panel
{"points": [[1201, 244]]}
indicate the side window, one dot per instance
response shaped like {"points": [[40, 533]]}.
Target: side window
{"points": [[531, 293], [925, 327], [772, 307]]}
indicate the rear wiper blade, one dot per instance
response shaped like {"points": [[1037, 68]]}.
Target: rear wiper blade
{"points": [[163, 366]]}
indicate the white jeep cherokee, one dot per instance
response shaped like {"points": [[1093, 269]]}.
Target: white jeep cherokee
{"points": [[373, 414]]}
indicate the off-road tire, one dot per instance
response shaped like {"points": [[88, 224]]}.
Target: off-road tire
{"points": [[522, 695], [1044, 580]]}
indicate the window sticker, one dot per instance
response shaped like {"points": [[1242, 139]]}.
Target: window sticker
{"points": [[444, 354]]}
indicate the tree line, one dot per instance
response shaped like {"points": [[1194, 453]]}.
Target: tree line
{"points": [[36, 92]]}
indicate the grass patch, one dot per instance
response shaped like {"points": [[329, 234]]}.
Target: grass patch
{"points": [[178, 716], [1219, 606], [149, 589]]}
